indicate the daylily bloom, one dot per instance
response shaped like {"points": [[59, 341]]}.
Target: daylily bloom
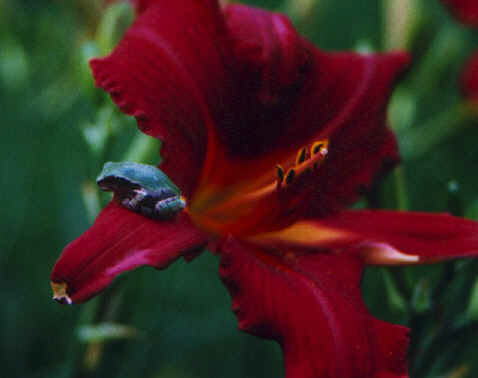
{"points": [[466, 11], [269, 140]]}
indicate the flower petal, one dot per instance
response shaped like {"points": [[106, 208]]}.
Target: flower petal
{"points": [[272, 61], [169, 72], [311, 304], [343, 99], [384, 237], [345, 102], [141, 5], [290, 93], [119, 240], [293, 92], [268, 64], [465, 11], [349, 96]]}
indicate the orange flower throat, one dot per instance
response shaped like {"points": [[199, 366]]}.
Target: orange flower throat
{"points": [[228, 209]]}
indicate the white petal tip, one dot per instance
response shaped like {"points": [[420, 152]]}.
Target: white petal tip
{"points": [[383, 254], [59, 293]]}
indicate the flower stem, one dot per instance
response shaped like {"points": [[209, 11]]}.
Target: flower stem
{"points": [[91, 200], [445, 49], [114, 21], [99, 310], [106, 312], [401, 196], [400, 21]]}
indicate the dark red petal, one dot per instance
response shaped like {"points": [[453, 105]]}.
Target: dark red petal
{"points": [[320, 91], [337, 96], [141, 5], [271, 61], [121, 240], [432, 237], [311, 304], [383, 237], [291, 91], [267, 47], [349, 95], [345, 102], [469, 79], [268, 64], [169, 72], [465, 11]]}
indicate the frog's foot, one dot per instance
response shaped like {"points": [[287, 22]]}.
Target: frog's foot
{"points": [[169, 207]]}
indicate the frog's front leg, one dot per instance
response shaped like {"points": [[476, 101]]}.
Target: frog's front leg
{"points": [[133, 203]]}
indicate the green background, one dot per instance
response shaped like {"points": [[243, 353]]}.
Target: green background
{"points": [[177, 323]]}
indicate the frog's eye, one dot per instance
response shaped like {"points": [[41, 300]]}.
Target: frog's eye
{"points": [[142, 188]]}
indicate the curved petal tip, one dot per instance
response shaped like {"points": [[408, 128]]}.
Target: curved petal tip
{"points": [[60, 292], [119, 241], [384, 254]]}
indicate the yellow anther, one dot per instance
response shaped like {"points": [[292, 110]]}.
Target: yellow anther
{"points": [[307, 160], [301, 156], [319, 146]]}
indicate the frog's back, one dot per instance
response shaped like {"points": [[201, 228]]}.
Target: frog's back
{"points": [[145, 176]]}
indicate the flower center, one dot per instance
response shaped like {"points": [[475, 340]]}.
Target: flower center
{"points": [[246, 203], [307, 160]]}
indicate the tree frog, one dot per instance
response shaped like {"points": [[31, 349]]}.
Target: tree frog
{"points": [[142, 188]]}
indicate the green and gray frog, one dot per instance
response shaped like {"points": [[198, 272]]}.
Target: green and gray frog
{"points": [[142, 188]]}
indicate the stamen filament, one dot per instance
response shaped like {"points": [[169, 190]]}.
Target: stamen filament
{"points": [[308, 161]]}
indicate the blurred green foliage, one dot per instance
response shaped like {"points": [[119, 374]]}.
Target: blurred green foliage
{"points": [[57, 130]]}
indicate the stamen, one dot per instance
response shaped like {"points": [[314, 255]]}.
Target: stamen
{"points": [[306, 161], [301, 156], [319, 146], [290, 176], [280, 174]]}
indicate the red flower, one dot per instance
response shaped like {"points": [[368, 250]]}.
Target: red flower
{"points": [[469, 79], [234, 93], [465, 11]]}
